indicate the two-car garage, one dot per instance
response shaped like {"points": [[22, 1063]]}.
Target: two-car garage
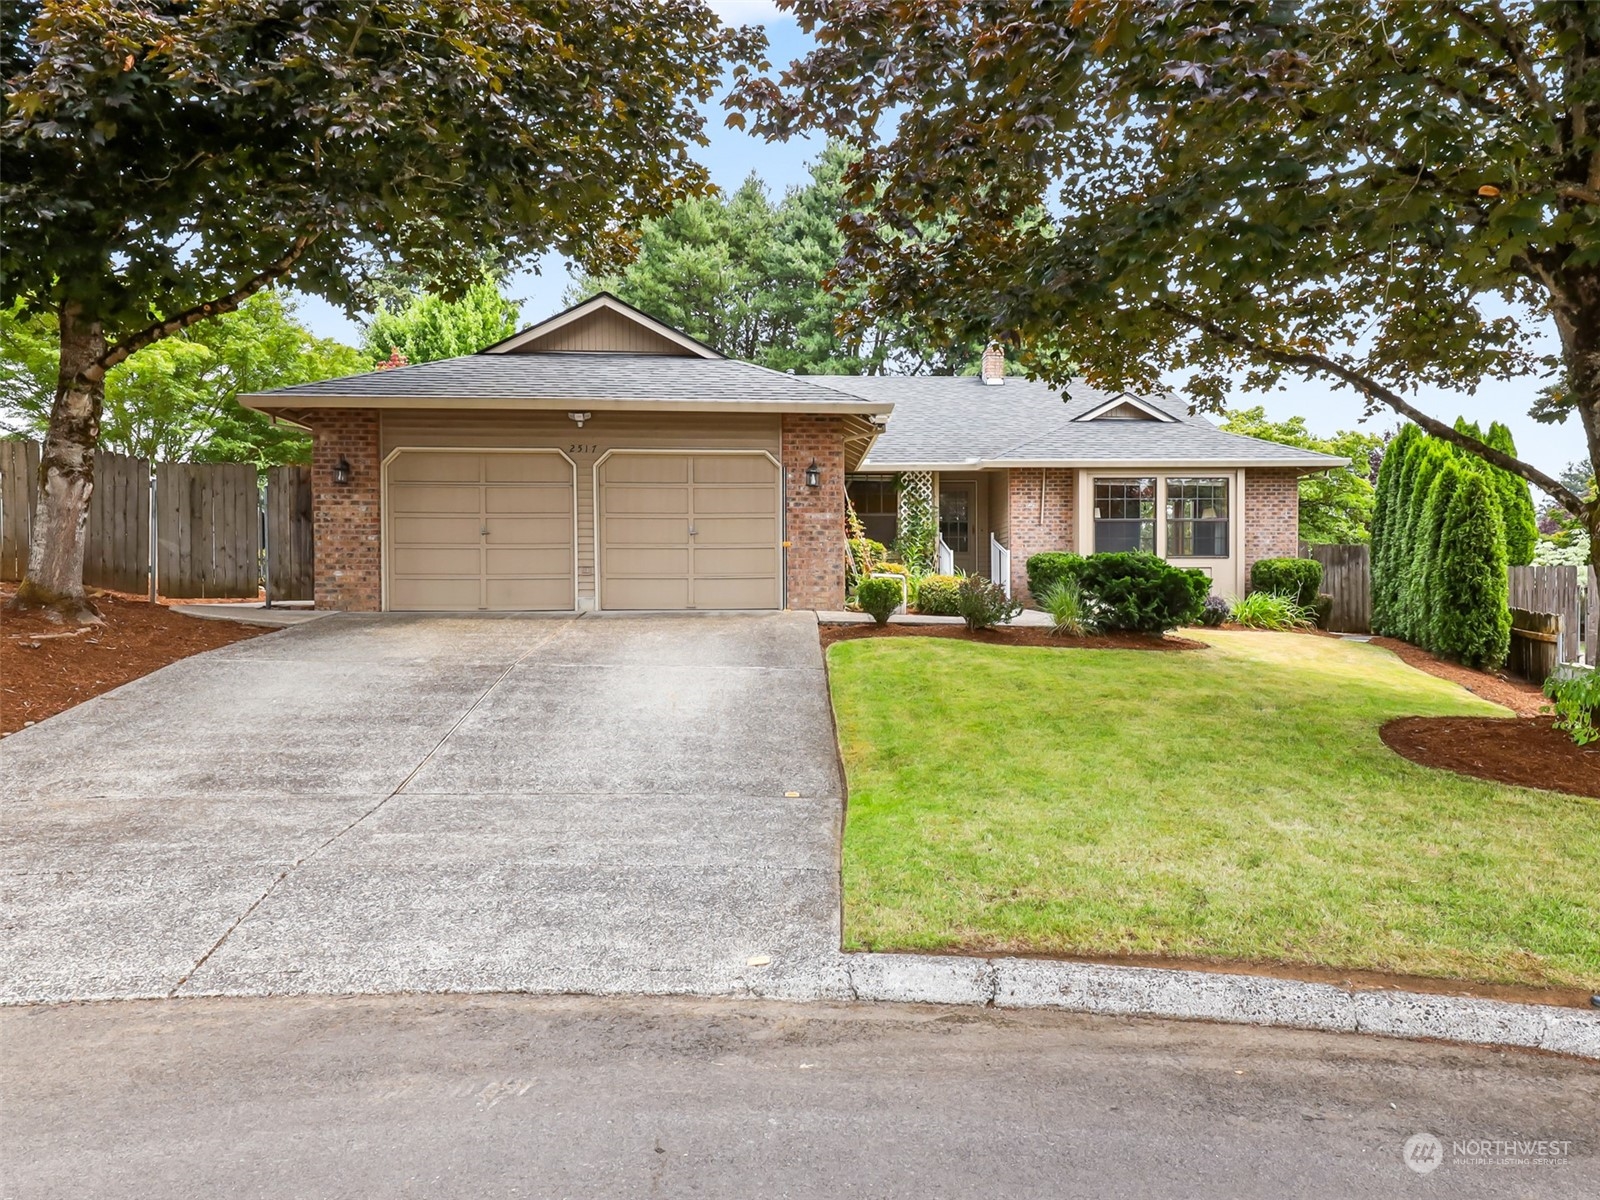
{"points": [[501, 530]]}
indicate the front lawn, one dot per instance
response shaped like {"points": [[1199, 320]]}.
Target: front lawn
{"points": [[1231, 803]]}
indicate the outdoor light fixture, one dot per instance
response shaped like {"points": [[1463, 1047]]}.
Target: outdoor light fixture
{"points": [[580, 418], [341, 471], [813, 475]]}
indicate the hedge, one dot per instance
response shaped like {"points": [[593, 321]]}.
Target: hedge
{"points": [[1300, 579], [1050, 568]]}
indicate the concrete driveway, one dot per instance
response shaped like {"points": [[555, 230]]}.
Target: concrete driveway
{"points": [[395, 803]]}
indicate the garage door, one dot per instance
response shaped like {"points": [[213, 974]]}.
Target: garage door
{"points": [[689, 531], [484, 532]]}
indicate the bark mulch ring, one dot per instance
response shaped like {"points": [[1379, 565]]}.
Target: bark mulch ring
{"points": [[1526, 751], [1520, 696], [47, 666], [1011, 635]]}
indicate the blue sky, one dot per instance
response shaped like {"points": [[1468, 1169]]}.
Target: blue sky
{"points": [[733, 154]]}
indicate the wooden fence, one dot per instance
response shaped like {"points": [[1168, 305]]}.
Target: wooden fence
{"points": [[1347, 577], [209, 522], [1543, 589]]}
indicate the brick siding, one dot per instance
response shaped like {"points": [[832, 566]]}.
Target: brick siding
{"points": [[1034, 531], [1271, 516], [815, 525], [346, 517]]}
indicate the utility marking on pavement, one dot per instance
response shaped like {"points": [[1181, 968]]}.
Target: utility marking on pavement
{"points": [[316, 850]]}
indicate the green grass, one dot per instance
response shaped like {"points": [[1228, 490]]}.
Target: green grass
{"points": [[1232, 803]]}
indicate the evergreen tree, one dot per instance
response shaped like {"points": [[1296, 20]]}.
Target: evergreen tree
{"points": [[1516, 502], [1419, 618], [1425, 459], [428, 327], [1386, 523], [1471, 620]]}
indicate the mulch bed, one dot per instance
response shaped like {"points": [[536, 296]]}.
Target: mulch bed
{"points": [[1526, 751], [1520, 696], [47, 666], [1014, 635]]}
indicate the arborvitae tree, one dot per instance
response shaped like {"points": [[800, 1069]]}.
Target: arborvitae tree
{"points": [[1516, 503], [1419, 615], [1385, 522], [1430, 456], [1471, 620]]}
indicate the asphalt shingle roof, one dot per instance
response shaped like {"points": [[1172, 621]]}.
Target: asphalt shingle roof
{"points": [[952, 420]]}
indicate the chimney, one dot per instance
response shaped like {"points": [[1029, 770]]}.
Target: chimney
{"points": [[994, 364]]}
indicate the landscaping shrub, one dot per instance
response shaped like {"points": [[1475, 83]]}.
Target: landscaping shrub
{"points": [[1416, 603], [1214, 612], [1269, 610], [865, 555], [1388, 507], [1322, 609], [1299, 578], [1577, 704], [939, 595], [1140, 593], [879, 598], [1069, 612], [1471, 621], [1050, 568], [1516, 502], [982, 603]]}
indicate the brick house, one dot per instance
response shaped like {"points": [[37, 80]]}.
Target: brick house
{"points": [[603, 460]]}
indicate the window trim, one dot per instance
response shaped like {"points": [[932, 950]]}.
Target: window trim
{"points": [[1173, 522], [1153, 520]]}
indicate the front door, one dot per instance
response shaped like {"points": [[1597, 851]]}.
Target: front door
{"points": [[956, 522]]}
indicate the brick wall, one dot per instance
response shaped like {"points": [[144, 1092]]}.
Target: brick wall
{"points": [[1271, 516], [815, 528], [1034, 529], [346, 518]]}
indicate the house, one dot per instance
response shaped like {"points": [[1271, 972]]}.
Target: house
{"points": [[604, 460]]}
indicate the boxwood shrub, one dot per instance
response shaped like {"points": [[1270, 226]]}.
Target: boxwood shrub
{"points": [[938, 595], [879, 598], [1050, 568], [1140, 593], [1298, 578]]}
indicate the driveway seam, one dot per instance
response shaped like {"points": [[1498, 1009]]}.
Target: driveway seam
{"points": [[398, 788]]}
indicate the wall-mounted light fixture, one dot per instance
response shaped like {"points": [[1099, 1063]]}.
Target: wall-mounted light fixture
{"points": [[341, 470], [813, 475], [580, 418]]}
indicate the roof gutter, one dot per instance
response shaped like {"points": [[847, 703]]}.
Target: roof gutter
{"points": [[270, 401]]}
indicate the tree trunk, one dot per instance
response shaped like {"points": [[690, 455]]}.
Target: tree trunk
{"points": [[66, 476], [1575, 304]]}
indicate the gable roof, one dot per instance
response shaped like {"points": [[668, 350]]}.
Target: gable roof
{"points": [[594, 312], [955, 423]]}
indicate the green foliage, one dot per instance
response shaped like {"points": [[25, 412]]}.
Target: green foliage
{"points": [[1576, 699], [1322, 610], [1051, 567], [1336, 507], [879, 598], [983, 604], [429, 327], [1069, 612], [1140, 593], [1214, 612], [1417, 602], [1298, 578], [916, 540], [938, 595], [176, 399], [1388, 507], [1271, 610], [1516, 501], [1470, 620], [865, 554]]}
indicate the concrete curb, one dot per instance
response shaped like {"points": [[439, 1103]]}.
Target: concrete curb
{"points": [[1208, 996]]}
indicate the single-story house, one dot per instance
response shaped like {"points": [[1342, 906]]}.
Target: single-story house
{"points": [[604, 460]]}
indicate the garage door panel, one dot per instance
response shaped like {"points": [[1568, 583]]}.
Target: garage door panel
{"points": [[734, 500], [512, 499], [436, 468], [641, 561], [735, 468], [646, 531], [736, 593], [646, 501], [433, 498], [532, 595], [411, 530], [532, 561], [646, 593], [554, 532], [736, 531], [434, 595], [645, 468], [435, 560], [757, 561], [527, 468]]}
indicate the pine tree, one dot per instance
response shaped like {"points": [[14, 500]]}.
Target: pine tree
{"points": [[1430, 456], [1385, 521], [1471, 620], [1419, 618], [1516, 502]]}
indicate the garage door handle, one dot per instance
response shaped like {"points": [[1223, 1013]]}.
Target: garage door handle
{"points": [[484, 532], [691, 531]]}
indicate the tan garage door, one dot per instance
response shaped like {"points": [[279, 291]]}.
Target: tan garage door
{"points": [[689, 531], [480, 532]]}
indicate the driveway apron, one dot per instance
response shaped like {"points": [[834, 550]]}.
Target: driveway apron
{"points": [[369, 804]]}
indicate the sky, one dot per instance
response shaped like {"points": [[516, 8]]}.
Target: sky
{"points": [[733, 154]]}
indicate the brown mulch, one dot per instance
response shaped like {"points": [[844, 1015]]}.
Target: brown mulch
{"points": [[1521, 697], [1014, 635], [1526, 751], [47, 666]]}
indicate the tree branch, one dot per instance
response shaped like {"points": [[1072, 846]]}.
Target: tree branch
{"points": [[190, 316], [1373, 390], [1503, 34]]}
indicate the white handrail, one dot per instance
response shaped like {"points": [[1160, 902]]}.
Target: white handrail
{"points": [[1000, 564], [944, 559]]}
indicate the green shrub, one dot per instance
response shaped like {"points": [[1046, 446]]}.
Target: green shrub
{"points": [[1577, 704], [1141, 593], [1470, 619], [1050, 568], [1322, 609], [1388, 515], [983, 603], [939, 595], [879, 598], [1516, 502], [1298, 578], [1069, 612], [1214, 612], [1269, 610], [865, 555]]}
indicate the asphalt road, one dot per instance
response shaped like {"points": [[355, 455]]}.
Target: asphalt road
{"points": [[490, 1096]]}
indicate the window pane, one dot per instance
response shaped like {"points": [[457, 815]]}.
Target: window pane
{"points": [[1197, 518], [1124, 515]]}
